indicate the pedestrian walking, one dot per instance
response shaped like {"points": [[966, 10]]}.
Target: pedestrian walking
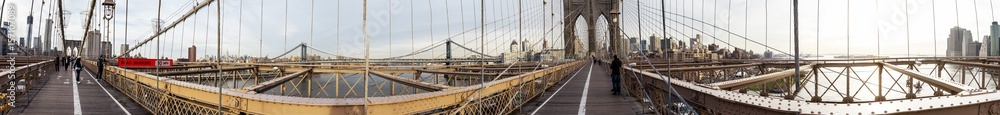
{"points": [[77, 69], [616, 66]]}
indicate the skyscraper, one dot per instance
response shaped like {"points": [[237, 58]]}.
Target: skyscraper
{"points": [[633, 41], [994, 42], [643, 43], [654, 43], [985, 48], [958, 41], [192, 53]]}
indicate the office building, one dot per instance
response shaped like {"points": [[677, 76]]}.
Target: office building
{"points": [[958, 41], [655, 43], [192, 53], [994, 43]]}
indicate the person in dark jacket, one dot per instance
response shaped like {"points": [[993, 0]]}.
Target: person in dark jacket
{"points": [[616, 66], [77, 68], [67, 60], [58, 63], [100, 67]]}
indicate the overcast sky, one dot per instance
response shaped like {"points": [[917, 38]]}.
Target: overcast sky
{"points": [[881, 25]]}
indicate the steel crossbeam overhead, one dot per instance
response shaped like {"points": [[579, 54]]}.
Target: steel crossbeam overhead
{"points": [[410, 82], [275, 82], [168, 27], [685, 69], [951, 87], [757, 80], [174, 73]]}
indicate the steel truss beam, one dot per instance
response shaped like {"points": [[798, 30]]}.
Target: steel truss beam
{"points": [[275, 82], [172, 67], [468, 73], [410, 82], [936, 82], [496, 69], [756, 80], [685, 69], [972, 64], [174, 73]]}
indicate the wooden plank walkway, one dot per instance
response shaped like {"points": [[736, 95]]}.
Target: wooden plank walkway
{"points": [[56, 97], [567, 97]]}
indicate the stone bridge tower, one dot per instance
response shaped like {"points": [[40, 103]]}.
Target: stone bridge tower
{"points": [[590, 10]]}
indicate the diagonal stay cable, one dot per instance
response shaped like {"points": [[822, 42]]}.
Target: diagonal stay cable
{"points": [[713, 37]]}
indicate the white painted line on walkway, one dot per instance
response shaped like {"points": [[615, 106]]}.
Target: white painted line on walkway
{"points": [[586, 86], [109, 94], [76, 98], [557, 91]]}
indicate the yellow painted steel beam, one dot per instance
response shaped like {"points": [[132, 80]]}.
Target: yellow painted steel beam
{"points": [[756, 80], [643, 64], [467, 73], [685, 69], [953, 88], [172, 67], [497, 69], [274, 82], [410, 82], [173, 73], [237, 101]]}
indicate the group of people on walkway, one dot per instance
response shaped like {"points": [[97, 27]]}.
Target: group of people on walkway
{"points": [[65, 62]]}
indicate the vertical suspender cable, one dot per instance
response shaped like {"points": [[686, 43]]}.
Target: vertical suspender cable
{"points": [[431, 24], [639, 18], [239, 33], [218, 49], [975, 9], [286, 27], [878, 33], [126, 24], [906, 10], [412, 32], [364, 29], [389, 8], [159, 7], [795, 16], [260, 44], [934, 24], [312, 21]]}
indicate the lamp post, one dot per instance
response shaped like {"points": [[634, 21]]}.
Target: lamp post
{"points": [[109, 12]]}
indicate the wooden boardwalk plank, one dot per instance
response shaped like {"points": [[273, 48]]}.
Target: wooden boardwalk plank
{"points": [[599, 98]]}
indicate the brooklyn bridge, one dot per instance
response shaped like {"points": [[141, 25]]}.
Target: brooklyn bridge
{"points": [[309, 57]]}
